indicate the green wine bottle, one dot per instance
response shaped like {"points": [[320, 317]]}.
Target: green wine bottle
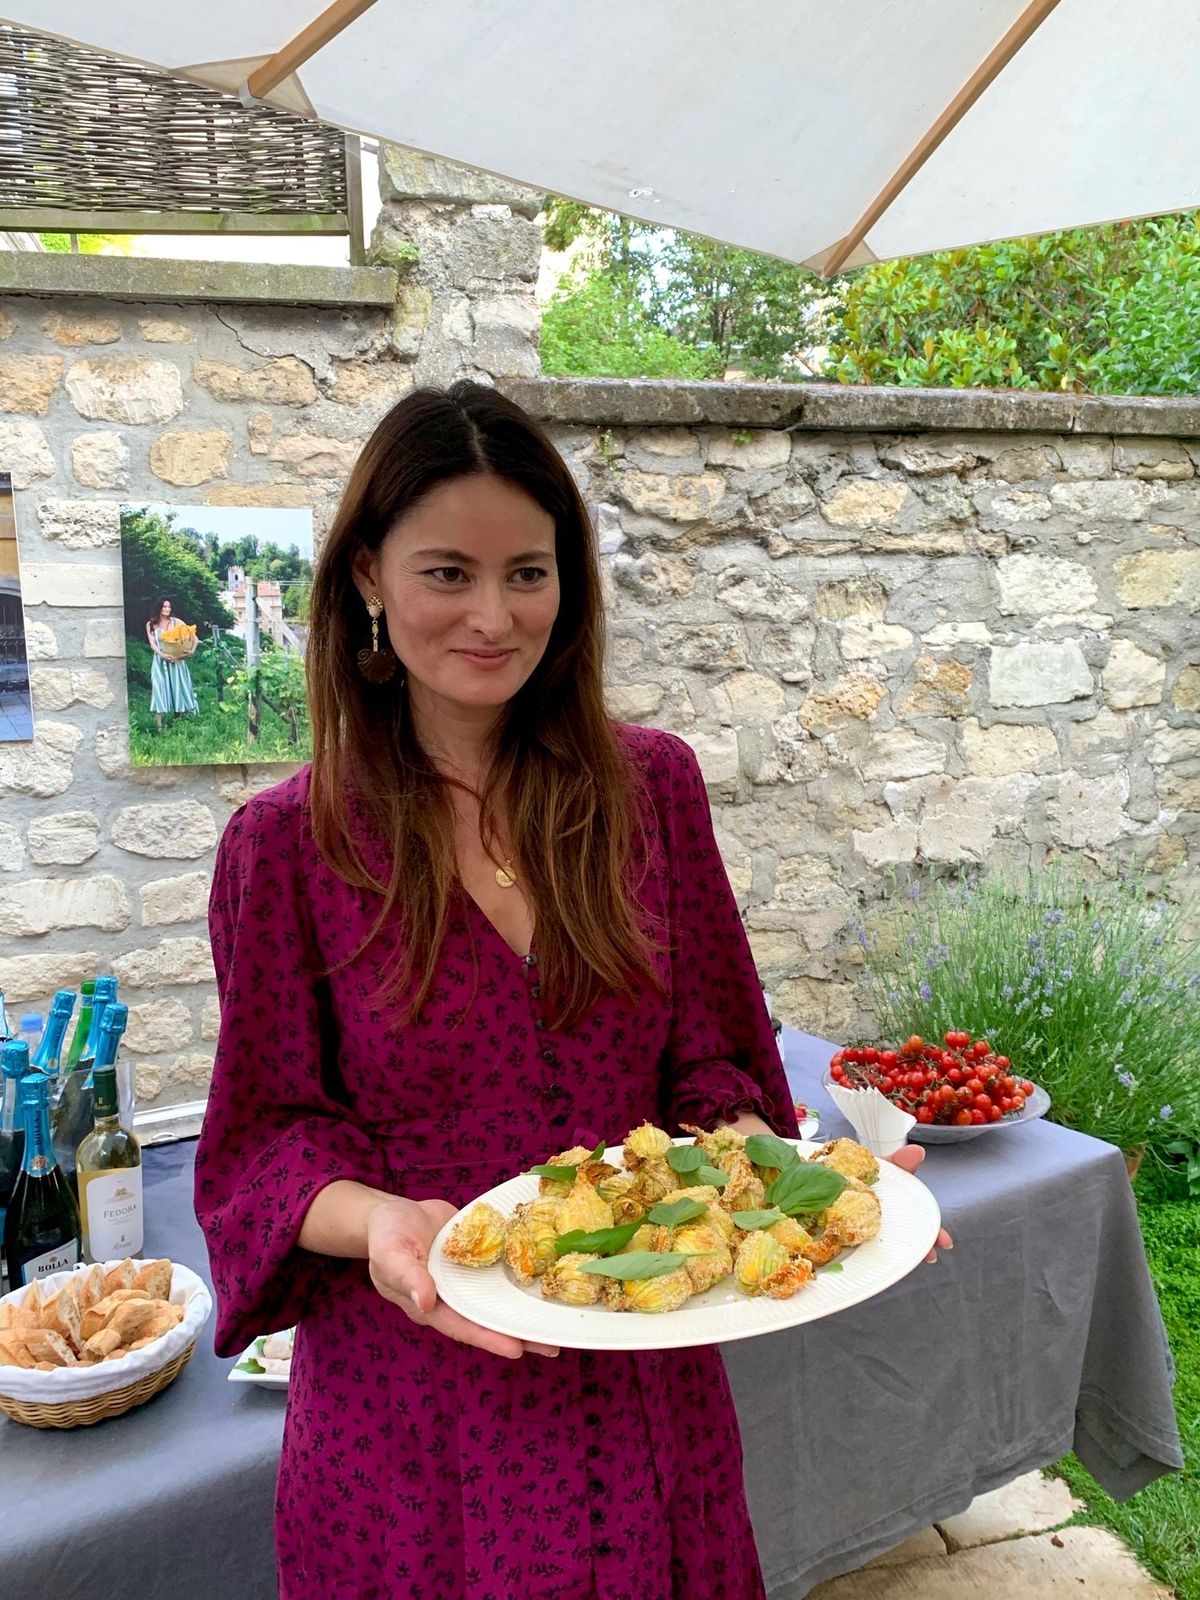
{"points": [[108, 1163], [41, 1230], [83, 1027]]}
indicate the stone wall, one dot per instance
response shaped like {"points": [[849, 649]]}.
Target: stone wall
{"points": [[898, 628]]}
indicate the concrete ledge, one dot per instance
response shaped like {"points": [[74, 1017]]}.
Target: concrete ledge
{"points": [[660, 402], [133, 278]]}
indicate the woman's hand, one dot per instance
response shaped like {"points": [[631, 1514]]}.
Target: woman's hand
{"points": [[908, 1160], [399, 1236]]}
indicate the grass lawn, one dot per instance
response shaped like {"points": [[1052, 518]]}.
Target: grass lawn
{"points": [[215, 736], [1162, 1523]]}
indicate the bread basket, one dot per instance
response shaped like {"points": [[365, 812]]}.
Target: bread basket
{"points": [[76, 1397]]}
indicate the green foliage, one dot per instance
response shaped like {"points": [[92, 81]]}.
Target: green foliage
{"points": [[657, 303], [1110, 309], [1162, 1522], [280, 682], [590, 330], [1089, 988], [158, 558], [89, 244]]}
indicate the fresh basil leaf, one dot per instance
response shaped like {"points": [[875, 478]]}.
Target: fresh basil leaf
{"points": [[260, 1343], [768, 1150], [805, 1186], [676, 1212], [757, 1219], [685, 1157], [712, 1176], [556, 1174], [641, 1263], [603, 1242], [250, 1365], [832, 1266], [598, 1152]]}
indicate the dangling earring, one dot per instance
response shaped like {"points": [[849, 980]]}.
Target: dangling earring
{"points": [[377, 664]]}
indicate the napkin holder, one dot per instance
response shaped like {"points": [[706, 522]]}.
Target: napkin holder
{"points": [[881, 1126]]}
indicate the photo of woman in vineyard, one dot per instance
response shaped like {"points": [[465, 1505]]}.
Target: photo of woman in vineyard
{"points": [[216, 629], [172, 641]]}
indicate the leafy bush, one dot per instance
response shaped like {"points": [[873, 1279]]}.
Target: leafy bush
{"points": [[591, 329], [1089, 988], [159, 559]]}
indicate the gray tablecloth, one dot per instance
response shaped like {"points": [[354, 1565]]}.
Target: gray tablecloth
{"points": [[1039, 1332]]}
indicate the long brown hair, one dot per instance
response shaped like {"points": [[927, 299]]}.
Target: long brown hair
{"points": [[564, 776]]}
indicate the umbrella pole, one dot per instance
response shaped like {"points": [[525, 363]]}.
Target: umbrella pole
{"points": [[332, 21]]}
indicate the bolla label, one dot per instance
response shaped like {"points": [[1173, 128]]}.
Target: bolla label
{"points": [[114, 1214], [60, 1260]]}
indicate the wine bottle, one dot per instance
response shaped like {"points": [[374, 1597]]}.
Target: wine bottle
{"points": [[47, 1057], [104, 994], [14, 1063], [83, 1027], [7, 1031], [108, 1163], [41, 1229]]}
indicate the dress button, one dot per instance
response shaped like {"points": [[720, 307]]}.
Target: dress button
{"points": [[548, 1057], [539, 1024], [554, 1089], [531, 959], [536, 991]]}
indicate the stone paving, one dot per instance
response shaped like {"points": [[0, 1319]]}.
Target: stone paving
{"points": [[1003, 1546]]}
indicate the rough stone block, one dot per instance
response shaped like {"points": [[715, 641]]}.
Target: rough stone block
{"points": [[505, 335], [180, 829], [860, 599], [706, 647], [1089, 812], [1109, 500], [893, 843], [1185, 696], [1159, 578], [210, 1019], [12, 851], [717, 754], [129, 389], [749, 591], [65, 583], [854, 696], [284, 382], [81, 524], [633, 702], [25, 453], [40, 643], [939, 689], [101, 460], [34, 977], [167, 962], [899, 753], [261, 494], [189, 458], [652, 576], [747, 697], [1132, 677], [764, 448], [1039, 674], [56, 688], [112, 757], [72, 329], [315, 456], [45, 767], [27, 383], [64, 839], [682, 497], [1008, 747], [104, 638], [865, 502], [484, 250], [159, 330], [181, 899], [39, 905], [870, 641], [1038, 584], [406, 174], [158, 1026], [193, 1069]]}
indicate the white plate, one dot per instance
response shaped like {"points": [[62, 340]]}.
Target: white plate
{"points": [[810, 1125], [492, 1297], [264, 1380]]}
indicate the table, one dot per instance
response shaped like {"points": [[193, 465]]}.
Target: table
{"points": [[1039, 1333]]}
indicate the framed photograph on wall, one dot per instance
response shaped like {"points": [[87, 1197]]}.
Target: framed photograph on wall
{"points": [[216, 627], [16, 703]]}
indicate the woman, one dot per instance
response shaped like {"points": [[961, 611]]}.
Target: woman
{"points": [[170, 680], [486, 924]]}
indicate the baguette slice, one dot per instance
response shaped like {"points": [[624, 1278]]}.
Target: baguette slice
{"points": [[101, 1313], [121, 1276], [46, 1346], [91, 1289], [132, 1318], [13, 1351], [155, 1278], [100, 1344], [61, 1313]]}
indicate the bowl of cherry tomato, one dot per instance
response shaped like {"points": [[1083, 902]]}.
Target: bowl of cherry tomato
{"points": [[956, 1090]]}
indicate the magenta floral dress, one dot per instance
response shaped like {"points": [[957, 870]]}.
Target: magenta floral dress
{"points": [[414, 1468]]}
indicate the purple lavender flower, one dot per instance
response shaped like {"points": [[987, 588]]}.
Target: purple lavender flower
{"points": [[1126, 1078], [925, 992], [1165, 1113], [1007, 991]]}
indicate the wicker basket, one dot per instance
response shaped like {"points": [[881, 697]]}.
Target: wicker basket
{"points": [[82, 1413], [76, 1397], [176, 649]]}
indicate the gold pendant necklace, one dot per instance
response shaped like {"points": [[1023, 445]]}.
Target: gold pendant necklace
{"points": [[506, 876]]}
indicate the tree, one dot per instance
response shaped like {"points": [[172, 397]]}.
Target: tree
{"points": [[642, 286], [1107, 309], [158, 559]]}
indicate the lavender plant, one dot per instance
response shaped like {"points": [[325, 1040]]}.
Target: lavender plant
{"points": [[1090, 988]]}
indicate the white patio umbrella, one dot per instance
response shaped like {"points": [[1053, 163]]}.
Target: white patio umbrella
{"points": [[828, 132]]}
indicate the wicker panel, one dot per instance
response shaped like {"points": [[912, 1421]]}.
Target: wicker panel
{"points": [[84, 132]]}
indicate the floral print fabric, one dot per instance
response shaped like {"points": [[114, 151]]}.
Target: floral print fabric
{"points": [[414, 1468]]}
